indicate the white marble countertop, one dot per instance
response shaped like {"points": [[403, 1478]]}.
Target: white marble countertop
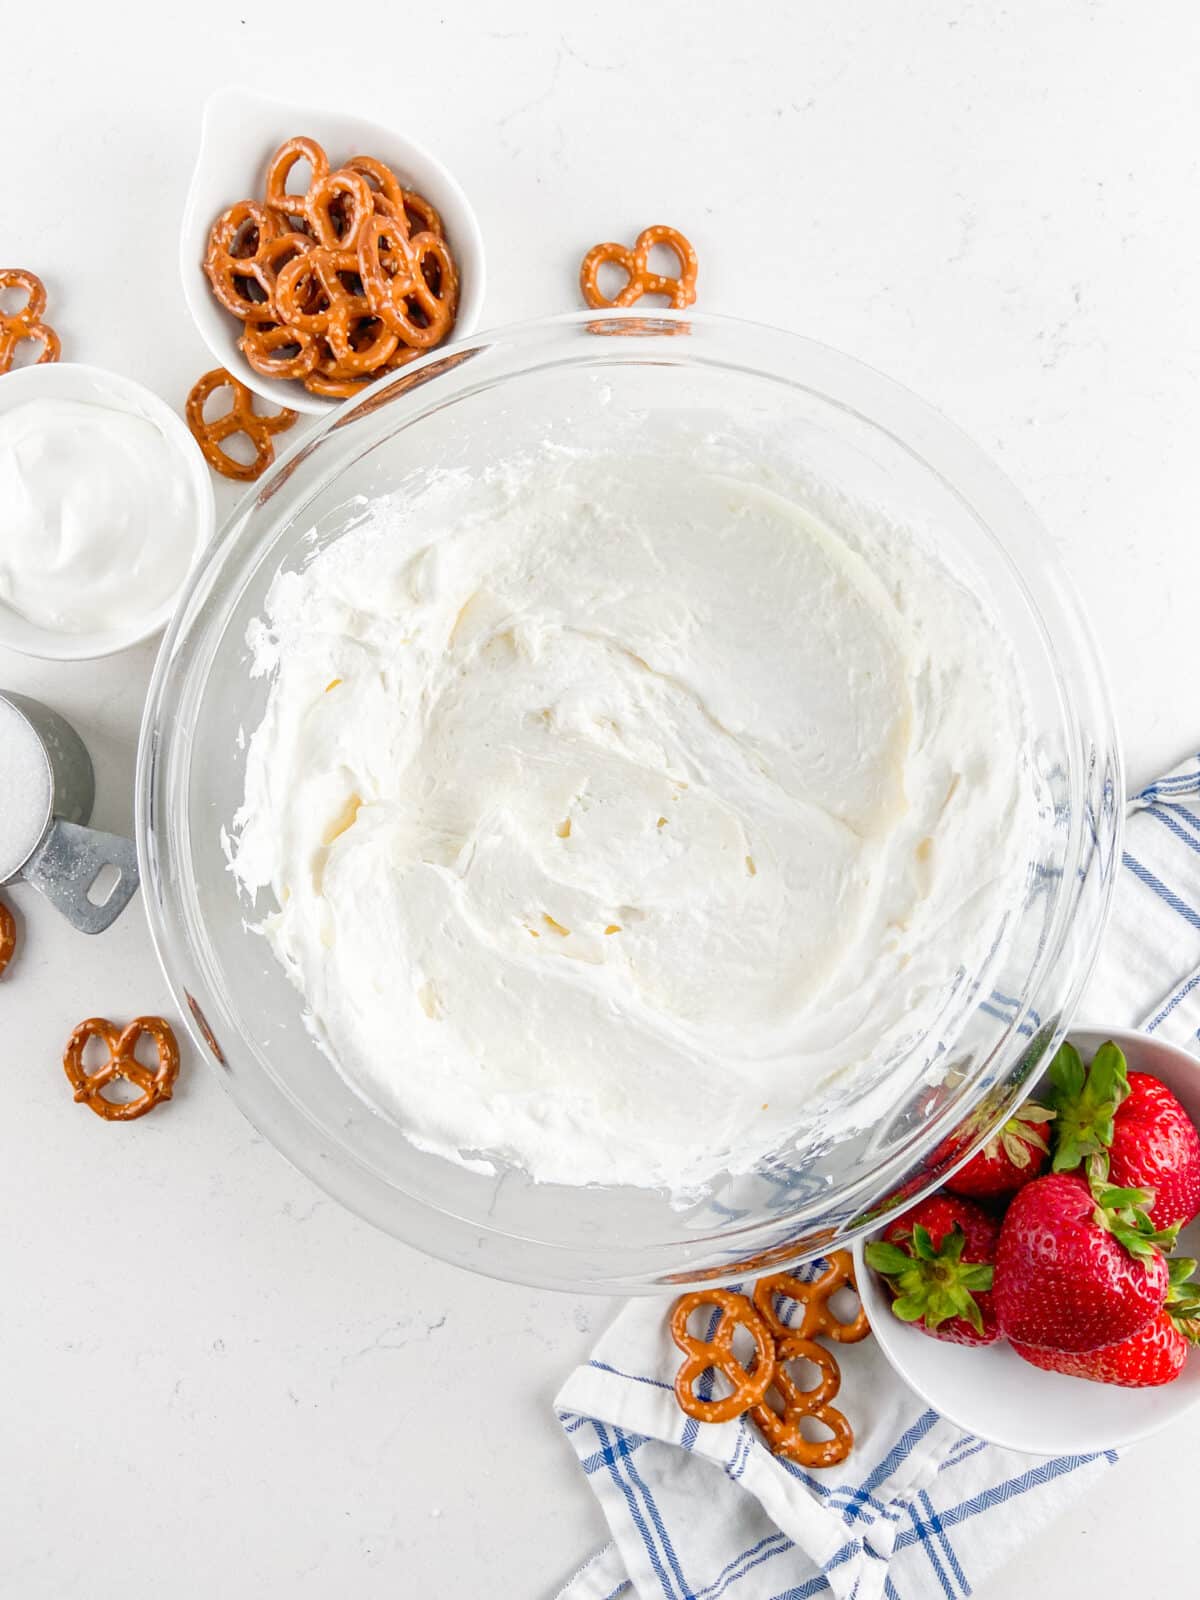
{"points": [[217, 1382]]}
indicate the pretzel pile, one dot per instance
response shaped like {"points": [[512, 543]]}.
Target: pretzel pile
{"points": [[351, 278], [767, 1375]]}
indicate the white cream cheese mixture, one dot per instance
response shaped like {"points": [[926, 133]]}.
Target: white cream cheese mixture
{"points": [[615, 810]]}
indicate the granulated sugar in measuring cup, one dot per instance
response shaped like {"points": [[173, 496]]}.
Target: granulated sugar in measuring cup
{"points": [[46, 792], [26, 787]]}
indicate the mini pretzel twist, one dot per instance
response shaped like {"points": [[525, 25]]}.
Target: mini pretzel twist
{"points": [[749, 1383], [411, 283], [312, 294], [278, 351], [324, 379], [338, 207], [813, 1298], [238, 256], [274, 255], [155, 1083], [422, 217], [316, 299], [8, 936], [284, 204], [358, 348], [246, 247], [385, 262], [335, 388], [782, 1429], [17, 327], [382, 181], [240, 418], [410, 210], [680, 291]]}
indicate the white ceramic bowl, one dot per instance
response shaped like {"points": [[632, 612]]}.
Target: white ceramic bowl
{"points": [[990, 1391], [239, 134], [69, 380]]}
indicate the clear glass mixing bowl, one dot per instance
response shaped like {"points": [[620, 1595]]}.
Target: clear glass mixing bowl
{"points": [[574, 378]]}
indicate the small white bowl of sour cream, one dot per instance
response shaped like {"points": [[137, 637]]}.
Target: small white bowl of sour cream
{"points": [[105, 504], [241, 131]]}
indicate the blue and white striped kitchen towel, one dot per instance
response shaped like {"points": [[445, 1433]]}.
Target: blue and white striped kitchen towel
{"points": [[921, 1509]]}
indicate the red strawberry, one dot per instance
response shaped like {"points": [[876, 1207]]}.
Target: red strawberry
{"points": [[1130, 1129], [1077, 1270], [1155, 1146], [1155, 1354], [937, 1259], [1013, 1156]]}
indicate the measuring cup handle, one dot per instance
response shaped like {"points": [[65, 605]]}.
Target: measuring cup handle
{"points": [[67, 864]]}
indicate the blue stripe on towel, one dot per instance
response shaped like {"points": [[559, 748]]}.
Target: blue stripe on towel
{"points": [[1161, 890]]}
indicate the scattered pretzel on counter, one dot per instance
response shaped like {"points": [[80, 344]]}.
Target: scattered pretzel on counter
{"points": [[716, 1353], [767, 1376], [782, 1429], [8, 936], [349, 278], [814, 1297], [240, 418], [155, 1083], [16, 327], [680, 291]]}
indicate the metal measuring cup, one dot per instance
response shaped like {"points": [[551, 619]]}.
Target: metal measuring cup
{"points": [[57, 853]]}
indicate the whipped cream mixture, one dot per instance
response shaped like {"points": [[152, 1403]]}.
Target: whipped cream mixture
{"points": [[617, 810], [99, 523]]}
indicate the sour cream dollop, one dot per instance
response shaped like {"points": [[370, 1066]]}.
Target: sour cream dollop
{"points": [[616, 811], [98, 522]]}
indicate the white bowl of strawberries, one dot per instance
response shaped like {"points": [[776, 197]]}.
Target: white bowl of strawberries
{"points": [[1053, 1269]]}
